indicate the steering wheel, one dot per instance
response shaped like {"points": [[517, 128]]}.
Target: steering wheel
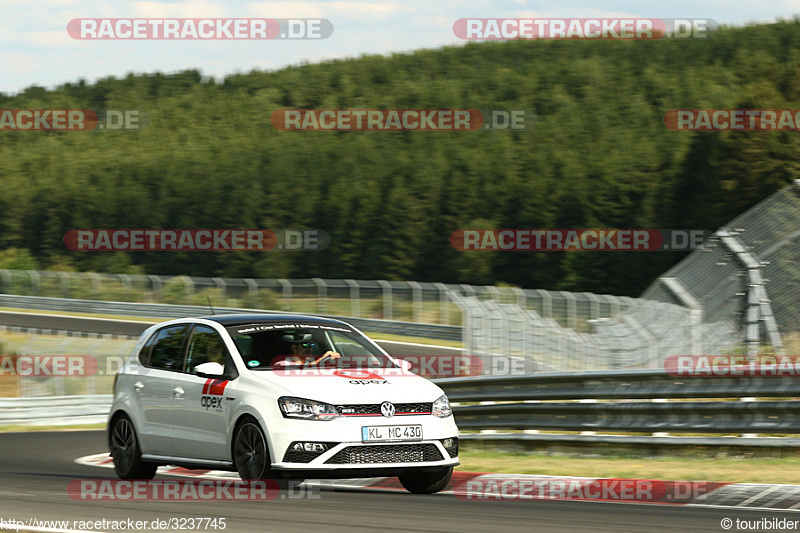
{"points": [[325, 358]]}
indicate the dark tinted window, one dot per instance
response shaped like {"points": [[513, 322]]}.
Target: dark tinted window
{"points": [[166, 352], [144, 353], [205, 346]]}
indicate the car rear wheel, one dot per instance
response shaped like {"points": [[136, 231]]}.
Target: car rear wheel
{"points": [[427, 482], [126, 452], [250, 452]]}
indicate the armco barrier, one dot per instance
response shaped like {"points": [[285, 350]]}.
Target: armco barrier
{"points": [[614, 385], [55, 410], [607, 402]]}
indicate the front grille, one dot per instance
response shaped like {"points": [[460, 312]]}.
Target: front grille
{"points": [[300, 457], [375, 409], [395, 453]]}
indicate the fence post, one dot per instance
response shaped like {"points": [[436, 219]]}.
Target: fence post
{"points": [[416, 297], [156, 285], [97, 284], [252, 292], [286, 293], [494, 292], [7, 285], [522, 300], [572, 321], [444, 303], [35, 279], [547, 303], [387, 299], [594, 305], [355, 297], [222, 286], [64, 284], [322, 295], [126, 284]]}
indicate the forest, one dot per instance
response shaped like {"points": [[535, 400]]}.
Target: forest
{"points": [[598, 156]]}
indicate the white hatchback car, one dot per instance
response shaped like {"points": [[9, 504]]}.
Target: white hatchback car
{"points": [[277, 396]]}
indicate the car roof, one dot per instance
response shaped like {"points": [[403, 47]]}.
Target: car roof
{"points": [[254, 318]]}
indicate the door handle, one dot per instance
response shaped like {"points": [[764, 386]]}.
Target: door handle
{"points": [[177, 392], [138, 386]]}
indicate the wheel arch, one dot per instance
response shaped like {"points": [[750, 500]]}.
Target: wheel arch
{"points": [[113, 417], [242, 418]]}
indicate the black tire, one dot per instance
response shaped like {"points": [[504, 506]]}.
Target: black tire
{"points": [[126, 452], [250, 451], [428, 482]]}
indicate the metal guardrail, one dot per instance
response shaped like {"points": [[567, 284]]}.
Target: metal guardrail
{"points": [[614, 385], [55, 410], [695, 417], [538, 405], [431, 331]]}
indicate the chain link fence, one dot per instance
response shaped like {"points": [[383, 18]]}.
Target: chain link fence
{"points": [[560, 331], [747, 275], [405, 301]]}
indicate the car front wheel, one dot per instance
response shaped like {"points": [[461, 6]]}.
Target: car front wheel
{"points": [[250, 453], [427, 482]]}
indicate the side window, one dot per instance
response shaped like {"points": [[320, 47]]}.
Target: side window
{"points": [[144, 353], [205, 346], [166, 353]]}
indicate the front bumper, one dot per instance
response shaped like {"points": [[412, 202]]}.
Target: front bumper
{"points": [[346, 450]]}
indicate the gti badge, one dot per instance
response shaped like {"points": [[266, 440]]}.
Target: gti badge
{"points": [[387, 409]]}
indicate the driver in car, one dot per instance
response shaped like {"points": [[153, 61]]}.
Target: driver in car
{"points": [[303, 355]]}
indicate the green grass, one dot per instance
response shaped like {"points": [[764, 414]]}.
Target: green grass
{"points": [[419, 340]]}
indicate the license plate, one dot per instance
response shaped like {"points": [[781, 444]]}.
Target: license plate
{"points": [[390, 433]]}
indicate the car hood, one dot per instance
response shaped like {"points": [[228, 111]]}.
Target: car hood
{"points": [[353, 386]]}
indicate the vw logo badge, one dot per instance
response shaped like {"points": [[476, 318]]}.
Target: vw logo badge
{"points": [[387, 409]]}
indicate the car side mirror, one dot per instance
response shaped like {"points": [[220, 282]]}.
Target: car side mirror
{"points": [[210, 370]]}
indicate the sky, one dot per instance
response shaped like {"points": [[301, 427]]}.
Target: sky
{"points": [[36, 49]]}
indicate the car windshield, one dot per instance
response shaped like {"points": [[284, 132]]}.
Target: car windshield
{"points": [[270, 346]]}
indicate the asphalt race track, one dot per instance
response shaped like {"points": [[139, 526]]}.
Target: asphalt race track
{"points": [[35, 469]]}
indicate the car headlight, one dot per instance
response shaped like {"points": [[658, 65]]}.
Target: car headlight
{"points": [[441, 407], [306, 409]]}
